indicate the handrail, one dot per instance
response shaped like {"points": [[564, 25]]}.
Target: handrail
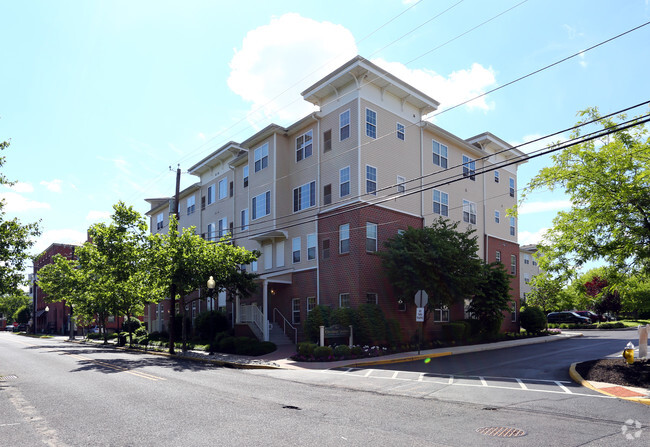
{"points": [[252, 314], [286, 322]]}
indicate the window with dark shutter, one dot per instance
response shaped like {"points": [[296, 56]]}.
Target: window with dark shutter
{"points": [[327, 140], [327, 194], [326, 248]]}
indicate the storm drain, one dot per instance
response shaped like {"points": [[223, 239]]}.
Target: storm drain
{"points": [[2, 378], [501, 432]]}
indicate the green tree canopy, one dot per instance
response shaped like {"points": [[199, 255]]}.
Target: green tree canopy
{"points": [[9, 304], [608, 182], [492, 297]]}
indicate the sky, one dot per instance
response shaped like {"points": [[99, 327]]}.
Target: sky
{"points": [[101, 98]]}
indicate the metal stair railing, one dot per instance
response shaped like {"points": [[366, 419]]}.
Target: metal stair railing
{"points": [[254, 317], [285, 323]]}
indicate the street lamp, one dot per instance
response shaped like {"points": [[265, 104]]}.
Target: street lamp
{"points": [[211, 286]]}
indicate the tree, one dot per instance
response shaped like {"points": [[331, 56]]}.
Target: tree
{"points": [[9, 304], [608, 183], [545, 292], [438, 259], [492, 297], [186, 260], [15, 241], [62, 280]]}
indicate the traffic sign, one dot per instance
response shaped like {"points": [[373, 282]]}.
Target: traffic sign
{"points": [[419, 314], [421, 298]]}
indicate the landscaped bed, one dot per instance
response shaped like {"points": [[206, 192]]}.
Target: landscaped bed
{"points": [[617, 372]]}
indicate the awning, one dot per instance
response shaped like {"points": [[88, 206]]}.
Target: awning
{"points": [[40, 312]]}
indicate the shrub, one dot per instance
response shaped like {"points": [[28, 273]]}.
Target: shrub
{"points": [[131, 324], [532, 319], [323, 352], [372, 326], [209, 324], [456, 331], [227, 345], [140, 332], [306, 349], [317, 317], [617, 325], [356, 350], [342, 351]]}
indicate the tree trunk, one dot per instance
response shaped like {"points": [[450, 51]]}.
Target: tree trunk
{"points": [[183, 324]]}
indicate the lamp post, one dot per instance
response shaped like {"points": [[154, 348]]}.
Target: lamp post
{"points": [[211, 286]]}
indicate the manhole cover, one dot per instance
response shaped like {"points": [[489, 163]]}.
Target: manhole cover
{"points": [[8, 378], [501, 432]]}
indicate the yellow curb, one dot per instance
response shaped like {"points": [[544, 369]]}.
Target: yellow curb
{"points": [[575, 375], [399, 360]]}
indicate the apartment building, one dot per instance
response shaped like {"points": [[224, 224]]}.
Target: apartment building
{"points": [[320, 197], [528, 267]]}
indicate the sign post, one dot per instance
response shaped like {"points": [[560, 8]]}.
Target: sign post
{"points": [[421, 300]]}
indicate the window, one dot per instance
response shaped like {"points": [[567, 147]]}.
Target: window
{"points": [[440, 203], [497, 218], [212, 233], [496, 176], [513, 315], [223, 188], [371, 237], [371, 298], [534, 261], [327, 194], [526, 259], [371, 123], [344, 300], [253, 266], [261, 205], [513, 264], [344, 125], [498, 256], [326, 248], [469, 167], [401, 305], [401, 184], [202, 203], [311, 303], [261, 157], [160, 221], [311, 246], [244, 219], [295, 311], [400, 131], [245, 176], [295, 247], [401, 232], [232, 189], [512, 187], [467, 305], [344, 238], [304, 146], [371, 180], [191, 205], [212, 196], [512, 226], [441, 315], [304, 196], [327, 140], [344, 181], [526, 278], [439, 154], [223, 227], [469, 212]]}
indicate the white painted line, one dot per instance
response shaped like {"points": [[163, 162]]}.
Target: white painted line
{"points": [[522, 384], [421, 377], [368, 373], [451, 380], [483, 382], [395, 375], [347, 370], [566, 390]]}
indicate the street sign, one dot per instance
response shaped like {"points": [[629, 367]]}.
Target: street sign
{"points": [[419, 314], [421, 298]]}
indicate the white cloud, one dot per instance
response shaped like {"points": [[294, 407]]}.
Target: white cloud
{"points": [[582, 61], [63, 236], [54, 185], [527, 237], [119, 163], [459, 86], [572, 32], [16, 203], [543, 207], [269, 70], [98, 215], [22, 187]]}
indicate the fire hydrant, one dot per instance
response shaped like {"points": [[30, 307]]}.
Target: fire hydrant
{"points": [[628, 353]]}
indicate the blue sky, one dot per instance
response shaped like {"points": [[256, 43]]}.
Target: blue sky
{"points": [[99, 98]]}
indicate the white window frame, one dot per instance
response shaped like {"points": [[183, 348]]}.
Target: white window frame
{"points": [[440, 154], [244, 219], [295, 250], [311, 303], [295, 311], [496, 176], [312, 242], [212, 194], [371, 237], [279, 254], [469, 167], [371, 123], [497, 217], [371, 183], [511, 184], [191, 204], [223, 188], [304, 196], [212, 232], [497, 255], [526, 258], [401, 135], [344, 238], [304, 145], [245, 174], [261, 157], [254, 266], [344, 181], [513, 314], [265, 197], [442, 202], [344, 125], [469, 211], [160, 221], [372, 298], [223, 227], [344, 300], [513, 264], [401, 184], [513, 226], [441, 315]]}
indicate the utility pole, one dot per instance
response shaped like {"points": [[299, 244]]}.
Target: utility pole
{"points": [[172, 288]]}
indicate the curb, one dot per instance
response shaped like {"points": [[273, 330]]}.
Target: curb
{"points": [[575, 375]]}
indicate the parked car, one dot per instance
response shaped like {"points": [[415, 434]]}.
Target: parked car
{"points": [[567, 317], [589, 314], [22, 327]]}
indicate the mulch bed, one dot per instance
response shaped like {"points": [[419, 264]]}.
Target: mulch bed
{"points": [[617, 372]]}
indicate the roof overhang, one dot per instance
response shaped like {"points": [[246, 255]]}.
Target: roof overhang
{"points": [[221, 155], [270, 235]]}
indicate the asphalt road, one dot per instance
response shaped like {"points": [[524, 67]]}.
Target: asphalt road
{"points": [[60, 394]]}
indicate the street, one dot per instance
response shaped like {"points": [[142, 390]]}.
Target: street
{"points": [[65, 394]]}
